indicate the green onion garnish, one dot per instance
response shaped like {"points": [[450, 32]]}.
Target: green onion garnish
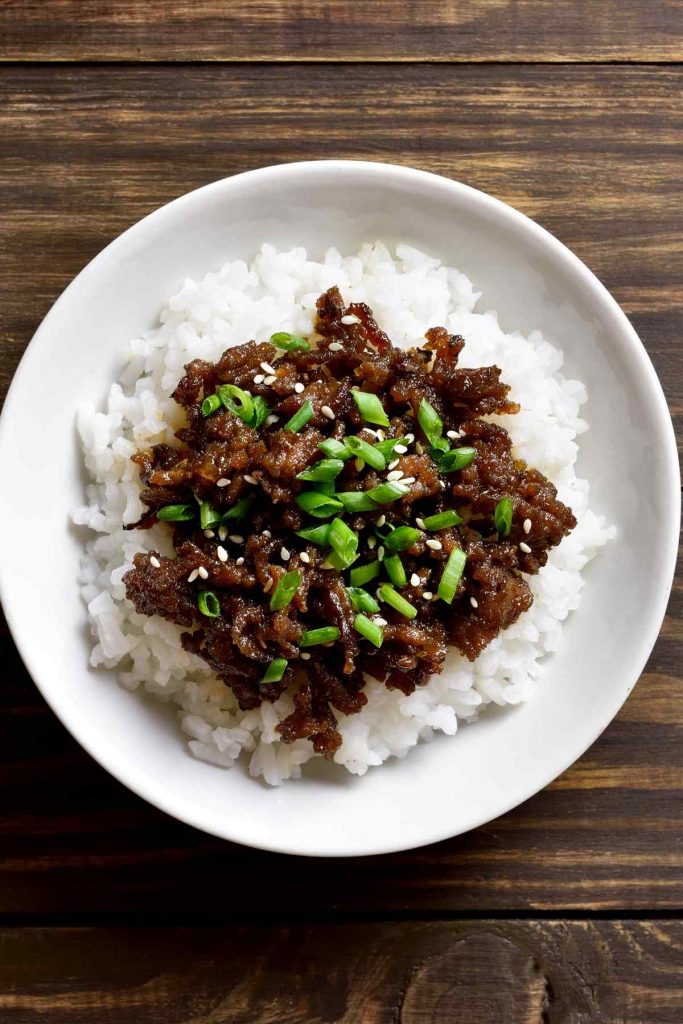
{"points": [[356, 501], [395, 571], [387, 447], [394, 599], [451, 575], [389, 491], [361, 600], [285, 590], [325, 487], [369, 629], [502, 517], [289, 342], [335, 561], [457, 458], [261, 411], [335, 449], [430, 421], [208, 604], [326, 469], [237, 401], [401, 538], [208, 516], [300, 418], [316, 534], [275, 671], [366, 452], [317, 504], [442, 520], [238, 511], [362, 574], [210, 404], [323, 635], [370, 408], [343, 541], [176, 513]]}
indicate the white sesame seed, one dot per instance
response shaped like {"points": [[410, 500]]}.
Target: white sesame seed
{"points": [[380, 552], [335, 347], [204, 573], [358, 463], [268, 586], [223, 482], [420, 523], [428, 595], [442, 485], [370, 431], [453, 434], [381, 520], [222, 553], [266, 533], [222, 533], [393, 464], [408, 480], [270, 420], [415, 580], [380, 435], [523, 546], [372, 542], [435, 545], [379, 621], [299, 387], [236, 538], [285, 554], [267, 368], [474, 602], [326, 411], [193, 576], [259, 378], [270, 379], [395, 474], [209, 534], [400, 449], [419, 449], [305, 656], [527, 525], [239, 561], [350, 319], [250, 479], [305, 557], [154, 562], [409, 438]]}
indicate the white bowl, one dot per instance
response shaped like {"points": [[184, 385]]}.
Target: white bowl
{"points": [[452, 784]]}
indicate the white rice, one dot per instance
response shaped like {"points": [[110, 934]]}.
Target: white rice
{"points": [[409, 292]]}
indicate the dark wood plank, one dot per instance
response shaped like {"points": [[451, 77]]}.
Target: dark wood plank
{"points": [[342, 30], [592, 153], [534, 972]]}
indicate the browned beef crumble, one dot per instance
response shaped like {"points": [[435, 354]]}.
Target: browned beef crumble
{"points": [[263, 464]]}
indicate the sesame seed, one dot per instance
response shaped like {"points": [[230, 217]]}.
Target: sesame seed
{"points": [[204, 573], [419, 448], [415, 580], [380, 552], [222, 553], [223, 482], [154, 562], [250, 479], [305, 656], [239, 561], [270, 379], [266, 533], [305, 557], [428, 595], [525, 548], [381, 520], [394, 463], [400, 449], [474, 602], [408, 480], [209, 534], [285, 554], [268, 586], [222, 533], [326, 411], [395, 474], [236, 538], [272, 419], [379, 621], [335, 347], [193, 576], [420, 523], [453, 434], [435, 545], [527, 525], [299, 387], [267, 368], [358, 463], [259, 378], [370, 431], [372, 542], [350, 319], [409, 438], [381, 435]]}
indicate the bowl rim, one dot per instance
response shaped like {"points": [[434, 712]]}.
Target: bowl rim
{"points": [[131, 777]]}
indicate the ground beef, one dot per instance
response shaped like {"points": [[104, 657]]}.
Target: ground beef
{"points": [[248, 478]]}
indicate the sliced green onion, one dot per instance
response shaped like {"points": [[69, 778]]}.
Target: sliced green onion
{"points": [[394, 599], [362, 574], [237, 401], [382, 532], [335, 449], [238, 511], [275, 671], [343, 541], [387, 447], [389, 491], [300, 418], [316, 534], [395, 571], [208, 516], [356, 501], [210, 404], [261, 411], [285, 590], [402, 537], [502, 517], [317, 504], [361, 600], [325, 487], [208, 604], [369, 629], [289, 342], [430, 421], [457, 458], [176, 513], [451, 575], [370, 408], [326, 469], [335, 561], [442, 520], [367, 452], [323, 635]]}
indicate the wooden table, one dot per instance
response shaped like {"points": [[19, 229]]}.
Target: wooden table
{"points": [[566, 910]]}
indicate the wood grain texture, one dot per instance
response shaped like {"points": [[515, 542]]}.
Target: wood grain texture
{"points": [[341, 30], [593, 153], [479, 972]]}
